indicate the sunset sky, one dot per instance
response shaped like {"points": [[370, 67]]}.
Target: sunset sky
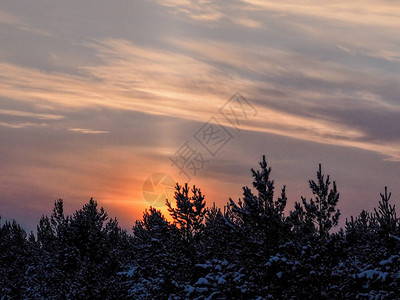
{"points": [[96, 96]]}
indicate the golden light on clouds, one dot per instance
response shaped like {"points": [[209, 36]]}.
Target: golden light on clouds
{"points": [[174, 84]]}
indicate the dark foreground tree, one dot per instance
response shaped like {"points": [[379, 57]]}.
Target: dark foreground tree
{"points": [[159, 266], [250, 249], [188, 215], [78, 256], [14, 257]]}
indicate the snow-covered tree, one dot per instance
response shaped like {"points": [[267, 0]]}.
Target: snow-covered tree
{"points": [[188, 215], [260, 217], [159, 266], [248, 250], [386, 217], [318, 215], [14, 258], [188, 212], [79, 255]]}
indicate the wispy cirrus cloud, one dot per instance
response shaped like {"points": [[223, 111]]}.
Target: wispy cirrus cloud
{"points": [[28, 114], [379, 13], [18, 125], [88, 131], [212, 13], [195, 9], [366, 29], [19, 23], [176, 84]]}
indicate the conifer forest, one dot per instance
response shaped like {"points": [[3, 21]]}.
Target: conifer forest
{"points": [[253, 248]]}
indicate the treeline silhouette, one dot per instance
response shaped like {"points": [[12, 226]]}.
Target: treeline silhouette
{"points": [[250, 249]]}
